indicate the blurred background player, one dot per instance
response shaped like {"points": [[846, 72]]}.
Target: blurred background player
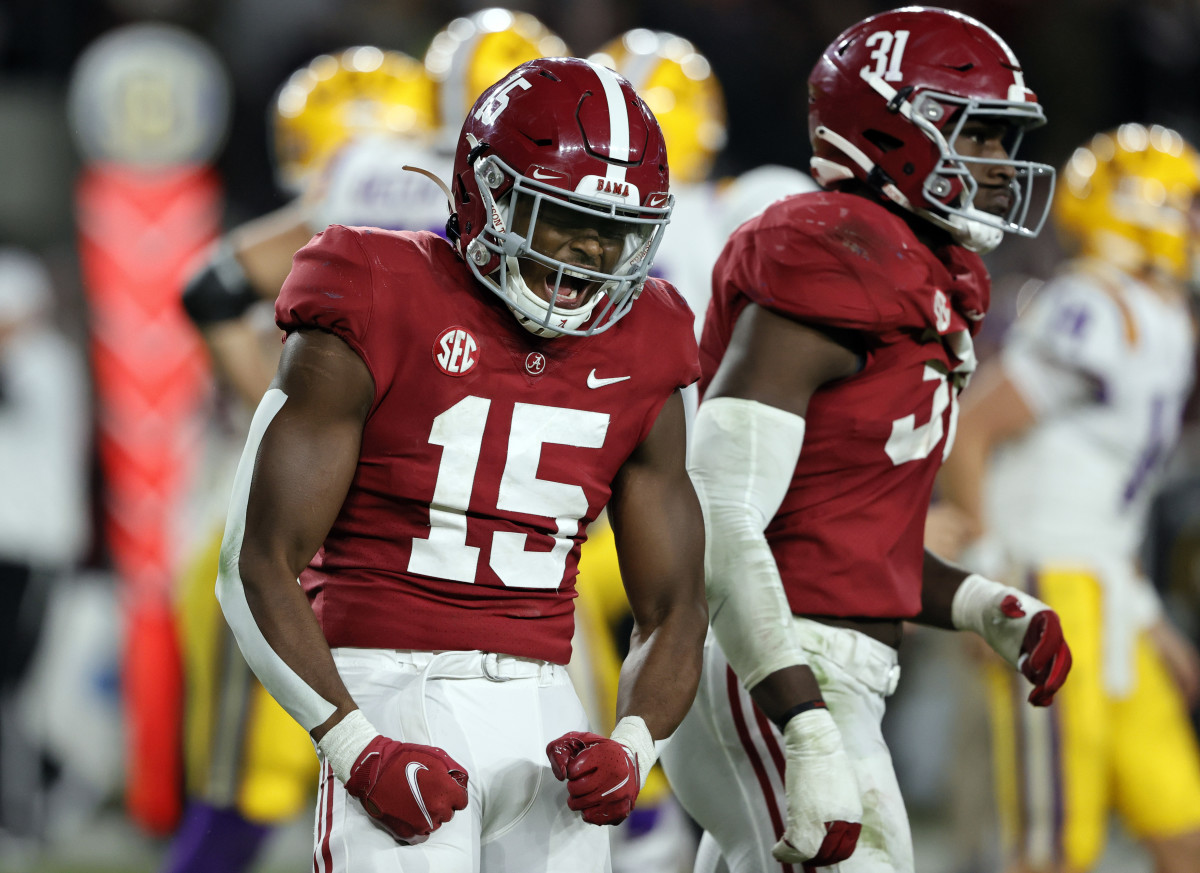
{"points": [[1061, 444], [345, 129], [44, 527], [342, 127]]}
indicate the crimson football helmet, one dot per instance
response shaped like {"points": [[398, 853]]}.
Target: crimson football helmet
{"points": [[888, 99], [571, 133]]}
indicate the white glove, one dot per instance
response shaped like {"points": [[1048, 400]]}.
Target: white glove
{"points": [[824, 810], [1020, 628]]}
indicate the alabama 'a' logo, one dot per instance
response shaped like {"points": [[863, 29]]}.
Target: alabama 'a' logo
{"points": [[455, 351]]}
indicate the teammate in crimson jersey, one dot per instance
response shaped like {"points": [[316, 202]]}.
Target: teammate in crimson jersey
{"points": [[427, 465], [842, 321]]}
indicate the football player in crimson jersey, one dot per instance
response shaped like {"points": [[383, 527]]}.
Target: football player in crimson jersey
{"points": [[447, 418], [833, 351], [347, 129]]}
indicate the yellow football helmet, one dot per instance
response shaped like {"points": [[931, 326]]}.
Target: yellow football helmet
{"points": [[1128, 197], [339, 96], [470, 54], [679, 86]]}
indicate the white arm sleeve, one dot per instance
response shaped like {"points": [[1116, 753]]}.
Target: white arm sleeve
{"points": [[295, 695], [743, 455]]}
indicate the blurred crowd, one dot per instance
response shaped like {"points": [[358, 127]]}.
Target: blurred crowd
{"points": [[69, 511]]}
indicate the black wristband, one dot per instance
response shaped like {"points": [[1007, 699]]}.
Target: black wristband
{"points": [[797, 709]]}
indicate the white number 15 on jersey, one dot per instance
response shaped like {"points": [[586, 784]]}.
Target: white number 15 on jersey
{"points": [[460, 431]]}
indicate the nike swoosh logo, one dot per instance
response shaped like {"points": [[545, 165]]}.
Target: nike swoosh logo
{"points": [[538, 174], [595, 382], [410, 772]]}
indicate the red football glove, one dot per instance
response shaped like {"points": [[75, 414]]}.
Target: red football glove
{"points": [[1045, 656], [601, 774], [409, 789]]}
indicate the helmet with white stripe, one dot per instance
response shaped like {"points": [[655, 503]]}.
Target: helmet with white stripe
{"points": [[679, 85], [888, 99], [569, 141]]}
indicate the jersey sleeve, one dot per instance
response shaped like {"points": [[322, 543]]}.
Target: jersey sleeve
{"points": [[330, 287], [683, 324], [809, 272], [1062, 350]]}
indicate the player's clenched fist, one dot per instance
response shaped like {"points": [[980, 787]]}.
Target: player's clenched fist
{"points": [[603, 775], [409, 789], [824, 811], [1020, 628]]}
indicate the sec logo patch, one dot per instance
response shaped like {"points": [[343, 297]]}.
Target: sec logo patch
{"points": [[455, 351]]}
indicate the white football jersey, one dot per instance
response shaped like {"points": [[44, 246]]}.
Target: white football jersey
{"points": [[364, 184], [1106, 365]]}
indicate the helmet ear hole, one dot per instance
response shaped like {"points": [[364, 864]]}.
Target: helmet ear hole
{"points": [[885, 142]]}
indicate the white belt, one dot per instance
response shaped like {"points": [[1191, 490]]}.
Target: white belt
{"points": [[461, 665]]}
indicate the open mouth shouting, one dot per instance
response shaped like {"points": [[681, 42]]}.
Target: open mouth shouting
{"points": [[573, 291]]}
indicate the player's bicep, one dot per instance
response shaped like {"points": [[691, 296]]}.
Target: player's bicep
{"points": [[309, 452], [778, 361], [656, 521]]}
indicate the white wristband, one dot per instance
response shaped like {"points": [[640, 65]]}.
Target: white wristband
{"points": [[632, 733], [345, 741]]}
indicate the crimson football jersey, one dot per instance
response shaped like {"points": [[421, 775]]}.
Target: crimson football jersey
{"points": [[848, 538], [486, 453]]}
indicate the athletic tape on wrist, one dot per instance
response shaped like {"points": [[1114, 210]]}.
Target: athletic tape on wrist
{"points": [[976, 607], [345, 741], [631, 732]]}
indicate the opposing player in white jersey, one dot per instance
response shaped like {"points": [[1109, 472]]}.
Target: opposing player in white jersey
{"points": [[1061, 444], [343, 127]]}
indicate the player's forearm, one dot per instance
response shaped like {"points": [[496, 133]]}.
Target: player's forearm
{"points": [[268, 540], [238, 354], [285, 619], [661, 672]]}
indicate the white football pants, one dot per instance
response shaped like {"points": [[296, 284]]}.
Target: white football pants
{"points": [[494, 715], [726, 764]]}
